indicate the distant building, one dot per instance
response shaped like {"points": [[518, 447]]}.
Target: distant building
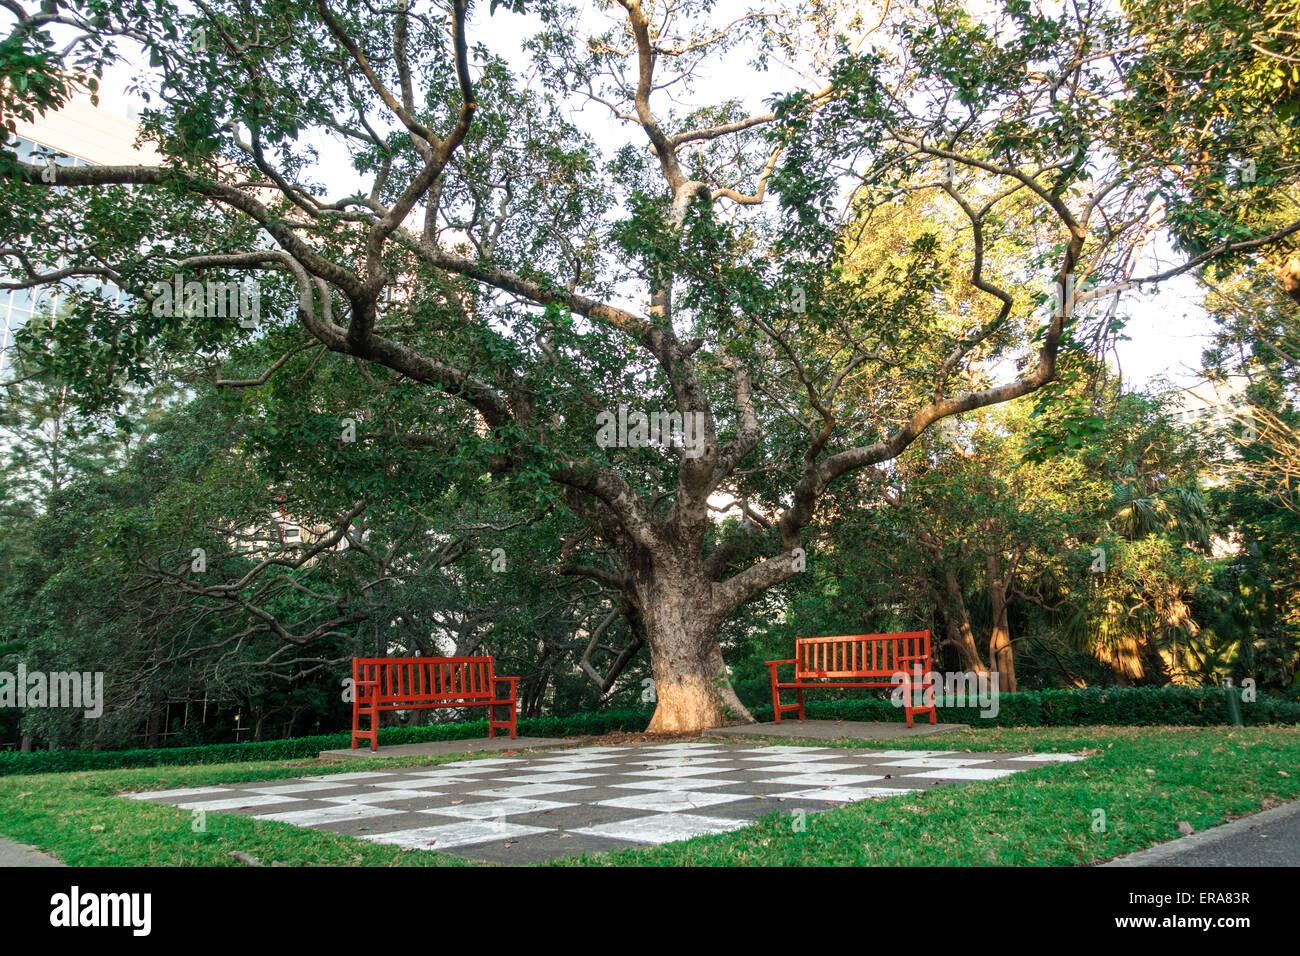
{"points": [[1211, 408], [1210, 405], [79, 134]]}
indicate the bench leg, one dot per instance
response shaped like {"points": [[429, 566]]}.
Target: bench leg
{"points": [[927, 708], [358, 734], [493, 723], [799, 695], [776, 699]]}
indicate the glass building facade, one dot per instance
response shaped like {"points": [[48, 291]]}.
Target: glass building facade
{"points": [[18, 305]]}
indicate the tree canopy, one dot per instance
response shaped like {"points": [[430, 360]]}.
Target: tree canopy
{"points": [[555, 213]]}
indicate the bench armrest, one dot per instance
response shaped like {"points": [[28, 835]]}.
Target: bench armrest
{"points": [[514, 685], [775, 664]]}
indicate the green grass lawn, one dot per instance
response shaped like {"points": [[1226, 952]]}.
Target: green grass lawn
{"points": [[1145, 779]]}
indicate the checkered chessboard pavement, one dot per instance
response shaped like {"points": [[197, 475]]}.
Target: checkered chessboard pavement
{"points": [[531, 807]]}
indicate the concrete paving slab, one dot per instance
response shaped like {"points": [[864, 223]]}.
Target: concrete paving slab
{"points": [[831, 730], [440, 748], [20, 854]]}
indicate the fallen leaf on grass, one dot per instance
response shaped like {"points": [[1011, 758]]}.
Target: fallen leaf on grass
{"points": [[1185, 828]]}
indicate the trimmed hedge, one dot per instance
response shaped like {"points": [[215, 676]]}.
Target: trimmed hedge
{"points": [[1143, 706], [296, 748]]}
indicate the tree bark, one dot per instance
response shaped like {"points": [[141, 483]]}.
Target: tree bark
{"points": [[960, 634], [1002, 656], [692, 691]]}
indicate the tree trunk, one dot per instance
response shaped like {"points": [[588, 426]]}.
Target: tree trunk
{"points": [[692, 691], [960, 634], [1002, 656]]}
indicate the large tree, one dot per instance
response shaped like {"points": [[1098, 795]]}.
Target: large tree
{"points": [[531, 276]]}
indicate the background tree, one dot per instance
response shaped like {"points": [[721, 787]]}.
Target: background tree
{"points": [[522, 280]]}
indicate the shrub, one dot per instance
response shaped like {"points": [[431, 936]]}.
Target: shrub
{"points": [[1140, 706], [297, 748]]}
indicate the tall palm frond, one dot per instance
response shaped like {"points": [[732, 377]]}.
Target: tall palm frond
{"points": [[1178, 511]]}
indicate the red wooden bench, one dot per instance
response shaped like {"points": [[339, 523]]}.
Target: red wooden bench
{"points": [[853, 660], [416, 683]]}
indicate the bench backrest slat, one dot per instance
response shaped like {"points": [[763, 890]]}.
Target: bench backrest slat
{"points": [[847, 655], [419, 679]]}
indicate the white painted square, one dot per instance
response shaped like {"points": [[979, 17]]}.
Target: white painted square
{"points": [[299, 787], [669, 772], [806, 766], [783, 758], [960, 773], [847, 794], [237, 803], [496, 808], [452, 835], [940, 762], [381, 796], [166, 795], [577, 756], [358, 775], [526, 790], [874, 754], [437, 780], [826, 779], [558, 766], [673, 801], [663, 827], [334, 814], [558, 776], [665, 784], [1047, 758], [418, 783]]}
